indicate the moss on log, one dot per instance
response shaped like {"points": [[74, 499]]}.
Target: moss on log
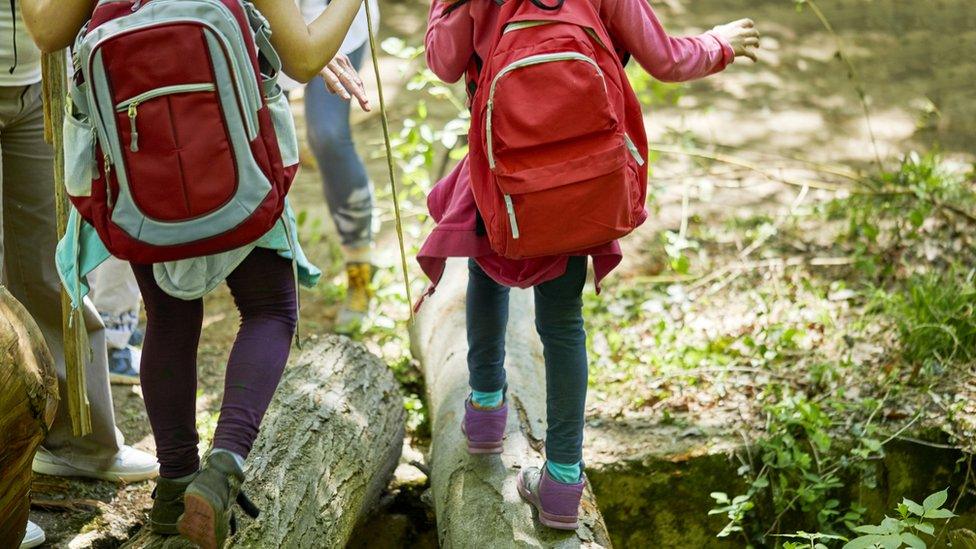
{"points": [[28, 401], [327, 448], [476, 500]]}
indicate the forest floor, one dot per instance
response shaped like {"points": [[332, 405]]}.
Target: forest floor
{"points": [[765, 282]]}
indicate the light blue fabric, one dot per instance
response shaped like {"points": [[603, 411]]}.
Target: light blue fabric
{"points": [[487, 399], [81, 250], [565, 473]]}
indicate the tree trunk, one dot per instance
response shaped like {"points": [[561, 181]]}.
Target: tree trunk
{"points": [[327, 448], [28, 401], [475, 497]]}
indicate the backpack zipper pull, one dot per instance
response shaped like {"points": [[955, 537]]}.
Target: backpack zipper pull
{"points": [[109, 199], [133, 132], [511, 216]]}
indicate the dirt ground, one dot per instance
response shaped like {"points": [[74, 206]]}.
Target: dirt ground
{"points": [[916, 61]]}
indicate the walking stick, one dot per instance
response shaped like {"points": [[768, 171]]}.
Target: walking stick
{"points": [[389, 156], [76, 346]]}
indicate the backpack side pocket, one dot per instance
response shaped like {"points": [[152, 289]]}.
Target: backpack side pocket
{"points": [[284, 125], [79, 154]]}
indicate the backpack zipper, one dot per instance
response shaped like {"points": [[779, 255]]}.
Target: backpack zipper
{"points": [[131, 105], [526, 62]]}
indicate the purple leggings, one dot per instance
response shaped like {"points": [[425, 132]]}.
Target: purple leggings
{"points": [[263, 287]]}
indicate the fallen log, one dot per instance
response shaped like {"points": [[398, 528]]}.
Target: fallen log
{"points": [[327, 448], [475, 497], [28, 401]]}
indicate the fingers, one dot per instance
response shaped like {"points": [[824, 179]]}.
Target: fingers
{"points": [[342, 79], [354, 85], [332, 82]]}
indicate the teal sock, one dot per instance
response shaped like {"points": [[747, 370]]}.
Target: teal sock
{"points": [[565, 473], [487, 399]]}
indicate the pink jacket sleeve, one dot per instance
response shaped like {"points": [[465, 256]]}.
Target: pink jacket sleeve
{"points": [[634, 26], [449, 40]]}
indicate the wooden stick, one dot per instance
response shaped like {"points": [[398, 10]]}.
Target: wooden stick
{"points": [[76, 346]]}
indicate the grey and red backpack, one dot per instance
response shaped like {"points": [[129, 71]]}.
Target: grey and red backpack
{"points": [[178, 142]]}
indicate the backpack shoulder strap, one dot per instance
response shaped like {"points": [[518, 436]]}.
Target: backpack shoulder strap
{"points": [[262, 40]]}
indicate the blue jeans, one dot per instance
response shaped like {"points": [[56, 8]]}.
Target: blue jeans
{"points": [[559, 321], [344, 179]]}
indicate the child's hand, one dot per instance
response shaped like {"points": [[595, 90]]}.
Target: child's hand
{"points": [[743, 37]]}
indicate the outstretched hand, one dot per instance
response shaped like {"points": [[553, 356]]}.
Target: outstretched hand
{"points": [[743, 37], [342, 79]]}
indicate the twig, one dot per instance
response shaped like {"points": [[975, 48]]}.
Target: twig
{"points": [[903, 429], [65, 505], [742, 163], [870, 191], [852, 73], [921, 442], [962, 493]]}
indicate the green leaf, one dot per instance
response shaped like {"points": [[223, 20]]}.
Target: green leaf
{"points": [[864, 542], [936, 500], [720, 497], [913, 541], [913, 507], [925, 528], [870, 529], [938, 514]]}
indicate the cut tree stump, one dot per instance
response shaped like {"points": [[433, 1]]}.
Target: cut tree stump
{"points": [[475, 497], [327, 448], [28, 401]]}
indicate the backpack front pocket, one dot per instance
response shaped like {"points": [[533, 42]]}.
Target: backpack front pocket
{"points": [[174, 137], [568, 206]]}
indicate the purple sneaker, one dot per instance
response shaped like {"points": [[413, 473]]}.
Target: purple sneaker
{"points": [[557, 503], [485, 429]]}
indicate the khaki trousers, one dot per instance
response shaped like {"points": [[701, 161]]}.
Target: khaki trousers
{"points": [[27, 244]]}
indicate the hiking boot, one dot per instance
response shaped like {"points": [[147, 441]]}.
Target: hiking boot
{"points": [[208, 517], [167, 505], [484, 428], [557, 503], [359, 294]]}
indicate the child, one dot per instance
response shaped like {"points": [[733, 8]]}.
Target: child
{"points": [[260, 276], [460, 37]]}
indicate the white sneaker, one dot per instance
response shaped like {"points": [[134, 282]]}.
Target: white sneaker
{"points": [[33, 537], [129, 465]]}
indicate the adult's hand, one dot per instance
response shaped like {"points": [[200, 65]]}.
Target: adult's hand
{"points": [[743, 37], [342, 79]]}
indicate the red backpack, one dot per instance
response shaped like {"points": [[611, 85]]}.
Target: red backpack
{"points": [[178, 143], [557, 144]]}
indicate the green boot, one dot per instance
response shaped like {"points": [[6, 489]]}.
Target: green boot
{"points": [[208, 519], [167, 504]]}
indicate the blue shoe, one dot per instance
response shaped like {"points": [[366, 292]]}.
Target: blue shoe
{"points": [[123, 365]]}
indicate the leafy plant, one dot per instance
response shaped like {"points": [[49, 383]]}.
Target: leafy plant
{"points": [[934, 318], [907, 530]]}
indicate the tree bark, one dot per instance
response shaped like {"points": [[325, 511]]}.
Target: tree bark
{"points": [[327, 448], [475, 497], [28, 401]]}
